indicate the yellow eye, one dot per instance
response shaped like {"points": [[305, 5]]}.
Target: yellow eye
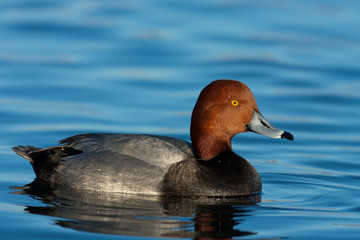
{"points": [[234, 102]]}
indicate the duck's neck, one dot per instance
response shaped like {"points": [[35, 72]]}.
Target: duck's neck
{"points": [[206, 146]]}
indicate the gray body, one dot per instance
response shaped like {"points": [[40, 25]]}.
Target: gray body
{"points": [[121, 162], [145, 164]]}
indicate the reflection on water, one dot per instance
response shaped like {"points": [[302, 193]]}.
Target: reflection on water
{"points": [[141, 215]]}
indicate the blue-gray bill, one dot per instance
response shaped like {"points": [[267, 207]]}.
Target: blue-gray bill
{"points": [[260, 125]]}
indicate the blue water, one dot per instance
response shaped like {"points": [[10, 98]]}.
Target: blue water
{"points": [[69, 67]]}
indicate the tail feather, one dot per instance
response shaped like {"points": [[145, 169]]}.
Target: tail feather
{"points": [[45, 160], [25, 151]]}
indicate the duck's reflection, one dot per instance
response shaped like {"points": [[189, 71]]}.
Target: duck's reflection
{"points": [[209, 218]]}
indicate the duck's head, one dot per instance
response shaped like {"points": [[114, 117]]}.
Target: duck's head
{"points": [[225, 108]]}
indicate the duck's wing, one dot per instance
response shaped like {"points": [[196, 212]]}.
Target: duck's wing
{"points": [[156, 150]]}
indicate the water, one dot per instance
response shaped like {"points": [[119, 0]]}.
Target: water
{"points": [[69, 67]]}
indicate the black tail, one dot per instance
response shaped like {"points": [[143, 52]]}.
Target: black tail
{"points": [[45, 160], [25, 152]]}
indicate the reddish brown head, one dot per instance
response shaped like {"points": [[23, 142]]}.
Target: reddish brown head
{"points": [[225, 108]]}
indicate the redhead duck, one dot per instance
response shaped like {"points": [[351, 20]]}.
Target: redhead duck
{"points": [[150, 164]]}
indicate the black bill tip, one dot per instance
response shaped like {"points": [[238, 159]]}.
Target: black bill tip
{"points": [[287, 135]]}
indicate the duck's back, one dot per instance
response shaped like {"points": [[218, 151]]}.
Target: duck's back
{"points": [[129, 163]]}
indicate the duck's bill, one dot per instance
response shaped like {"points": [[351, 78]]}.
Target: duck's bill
{"points": [[260, 125]]}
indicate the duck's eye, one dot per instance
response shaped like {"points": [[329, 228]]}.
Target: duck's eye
{"points": [[234, 102]]}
